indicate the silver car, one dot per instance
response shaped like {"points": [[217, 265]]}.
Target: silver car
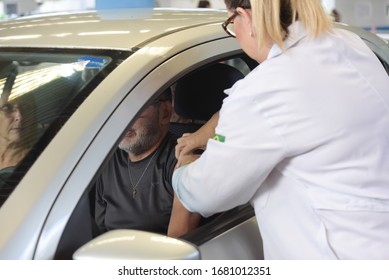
{"points": [[70, 85]]}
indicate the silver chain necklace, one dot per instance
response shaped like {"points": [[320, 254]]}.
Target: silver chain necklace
{"points": [[135, 187]]}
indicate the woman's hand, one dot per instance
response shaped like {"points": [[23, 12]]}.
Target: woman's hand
{"points": [[190, 142]]}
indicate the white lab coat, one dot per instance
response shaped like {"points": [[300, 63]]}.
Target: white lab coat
{"points": [[307, 143]]}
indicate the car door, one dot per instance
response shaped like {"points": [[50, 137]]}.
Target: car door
{"points": [[140, 92]]}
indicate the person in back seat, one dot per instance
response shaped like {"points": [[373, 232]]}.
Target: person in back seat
{"points": [[135, 191]]}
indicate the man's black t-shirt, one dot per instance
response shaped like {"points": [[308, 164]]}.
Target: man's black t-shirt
{"points": [[151, 207]]}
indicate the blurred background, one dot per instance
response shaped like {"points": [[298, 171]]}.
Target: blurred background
{"points": [[372, 15]]}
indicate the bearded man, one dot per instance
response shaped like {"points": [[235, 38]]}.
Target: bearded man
{"points": [[135, 189]]}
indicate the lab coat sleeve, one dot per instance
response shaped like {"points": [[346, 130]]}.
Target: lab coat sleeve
{"points": [[229, 173]]}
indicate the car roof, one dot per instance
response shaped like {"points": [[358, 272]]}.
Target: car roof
{"points": [[103, 29]]}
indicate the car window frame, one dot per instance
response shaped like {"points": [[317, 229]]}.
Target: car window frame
{"points": [[172, 68]]}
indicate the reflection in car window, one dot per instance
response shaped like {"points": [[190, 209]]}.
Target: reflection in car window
{"points": [[39, 91]]}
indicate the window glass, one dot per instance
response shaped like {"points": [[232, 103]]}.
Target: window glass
{"points": [[39, 91]]}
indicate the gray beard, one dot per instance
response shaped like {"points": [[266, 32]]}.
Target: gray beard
{"points": [[145, 139], [140, 147]]}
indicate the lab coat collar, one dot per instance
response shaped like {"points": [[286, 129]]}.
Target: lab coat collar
{"points": [[297, 32]]}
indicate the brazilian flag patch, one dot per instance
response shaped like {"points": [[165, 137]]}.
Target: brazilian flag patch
{"points": [[219, 138]]}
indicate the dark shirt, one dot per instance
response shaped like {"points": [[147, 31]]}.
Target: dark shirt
{"points": [[151, 207]]}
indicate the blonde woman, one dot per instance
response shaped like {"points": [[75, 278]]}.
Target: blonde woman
{"points": [[312, 155]]}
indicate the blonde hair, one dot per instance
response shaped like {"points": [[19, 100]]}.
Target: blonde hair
{"points": [[271, 18]]}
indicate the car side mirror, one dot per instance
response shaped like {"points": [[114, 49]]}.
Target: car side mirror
{"points": [[126, 244]]}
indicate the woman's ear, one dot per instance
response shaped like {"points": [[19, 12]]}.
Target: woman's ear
{"points": [[246, 18]]}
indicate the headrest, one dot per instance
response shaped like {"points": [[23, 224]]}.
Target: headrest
{"points": [[200, 94]]}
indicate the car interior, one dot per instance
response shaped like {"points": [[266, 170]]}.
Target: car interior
{"points": [[200, 94]]}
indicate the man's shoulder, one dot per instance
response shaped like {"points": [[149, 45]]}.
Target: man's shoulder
{"points": [[170, 142], [118, 160], [171, 139], [168, 146]]}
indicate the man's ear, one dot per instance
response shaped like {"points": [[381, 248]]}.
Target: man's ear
{"points": [[166, 111]]}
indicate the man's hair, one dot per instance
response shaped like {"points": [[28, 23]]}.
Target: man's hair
{"points": [[166, 95]]}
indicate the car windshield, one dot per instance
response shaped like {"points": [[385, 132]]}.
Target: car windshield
{"points": [[40, 90]]}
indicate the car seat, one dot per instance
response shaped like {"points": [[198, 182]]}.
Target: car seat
{"points": [[199, 95]]}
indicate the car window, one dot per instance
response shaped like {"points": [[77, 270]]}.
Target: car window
{"points": [[83, 215], [39, 91]]}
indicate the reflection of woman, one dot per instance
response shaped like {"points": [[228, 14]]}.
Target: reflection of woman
{"points": [[304, 137], [12, 148], [16, 123]]}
